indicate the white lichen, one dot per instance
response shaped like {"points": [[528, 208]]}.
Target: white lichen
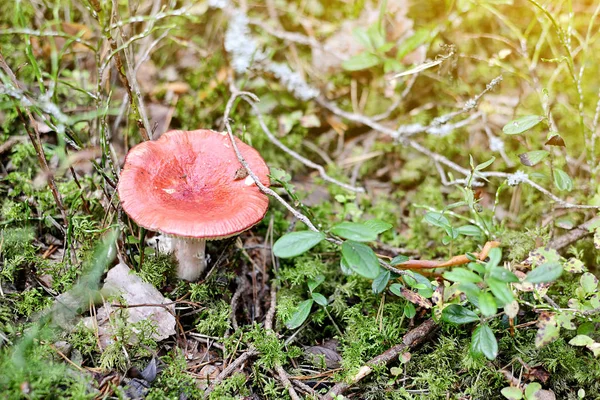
{"points": [[220, 4], [244, 50], [441, 131], [409, 130], [496, 144], [294, 83], [240, 44], [516, 178]]}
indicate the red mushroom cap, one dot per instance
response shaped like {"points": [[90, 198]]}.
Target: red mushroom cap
{"points": [[186, 184]]}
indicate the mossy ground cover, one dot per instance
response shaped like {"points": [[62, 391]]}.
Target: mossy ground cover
{"points": [[439, 127]]}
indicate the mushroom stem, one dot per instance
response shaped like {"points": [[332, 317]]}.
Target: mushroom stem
{"points": [[190, 257]]}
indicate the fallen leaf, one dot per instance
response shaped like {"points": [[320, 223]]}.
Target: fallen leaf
{"points": [[329, 352]]}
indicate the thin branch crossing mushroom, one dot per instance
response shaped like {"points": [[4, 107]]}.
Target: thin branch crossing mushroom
{"points": [[190, 185]]}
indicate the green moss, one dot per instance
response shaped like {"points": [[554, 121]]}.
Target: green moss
{"points": [[231, 388], [173, 381], [32, 300], [214, 320], [83, 339], [271, 349], [157, 270]]}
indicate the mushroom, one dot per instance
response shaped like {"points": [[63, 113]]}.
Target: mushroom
{"points": [[190, 185]]}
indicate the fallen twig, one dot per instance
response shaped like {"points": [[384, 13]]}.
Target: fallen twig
{"points": [[230, 369], [574, 234], [411, 339], [235, 94], [294, 154], [286, 382], [454, 261]]}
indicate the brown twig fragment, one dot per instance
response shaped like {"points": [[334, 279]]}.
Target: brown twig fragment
{"points": [[286, 382], [454, 261], [573, 235], [412, 339], [230, 368]]}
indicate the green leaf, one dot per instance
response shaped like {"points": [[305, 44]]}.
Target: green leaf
{"points": [[501, 291], [300, 315], [457, 314], [380, 283], [589, 283], [586, 328], [295, 243], [422, 280], [396, 289], [485, 164], [378, 225], [522, 124], [472, 291], [409, 310], [436, 219], [469, 230], [346, 270], [547, 272], [361, 258], [562, 180], [314, 283], [531, 390], [512, 393], [495, 256], [532, 158], [487, 304], [376, 35], [320, 299], [548, 330], [391, 65], [503, 274], [476, 267], [361, 61], [581, 340], [384, 48], [411, 43], [354, 231], [363, 38], [462, 275], [398, 260], [565, 320], [574, 265], [484, 342]]}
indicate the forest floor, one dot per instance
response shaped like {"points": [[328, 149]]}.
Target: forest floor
{"points": [[432, 229]]}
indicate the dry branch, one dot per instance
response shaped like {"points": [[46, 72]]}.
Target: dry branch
{"points": [[412, 339]]}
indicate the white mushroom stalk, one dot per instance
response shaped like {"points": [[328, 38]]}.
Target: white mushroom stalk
{"points": [[191, 258]]}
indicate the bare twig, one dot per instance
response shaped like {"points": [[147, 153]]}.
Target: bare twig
{"points": [[412, 339], [235, 94], [230, 369], [559, 202], [305, 388], [294, 154], [241, 288], [573, 235], [286, 382], [272, 307]]}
